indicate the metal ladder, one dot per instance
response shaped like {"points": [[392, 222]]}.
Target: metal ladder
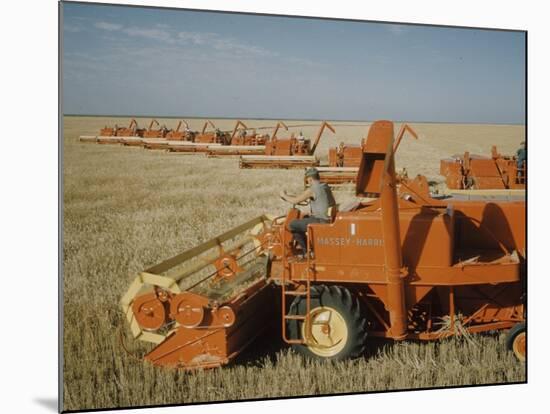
{"points": [[286, 292]]}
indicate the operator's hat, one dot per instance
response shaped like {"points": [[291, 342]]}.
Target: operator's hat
{"points": [[312, 172]]}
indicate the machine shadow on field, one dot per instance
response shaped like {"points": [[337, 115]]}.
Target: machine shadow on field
{"points": [[269, 344], [264, 347]]}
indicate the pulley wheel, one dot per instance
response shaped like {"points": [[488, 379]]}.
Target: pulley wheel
{"points": [[227, 266], [187, 310], [227, 316], [149, 311]]}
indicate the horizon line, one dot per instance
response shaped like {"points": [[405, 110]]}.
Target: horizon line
{"points": [[287, 119]]}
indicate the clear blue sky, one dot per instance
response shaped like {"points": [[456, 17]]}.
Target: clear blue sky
{"points": [[144, 61]]}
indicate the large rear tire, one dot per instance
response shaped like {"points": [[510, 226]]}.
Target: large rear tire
{"points": [[337, 326]]}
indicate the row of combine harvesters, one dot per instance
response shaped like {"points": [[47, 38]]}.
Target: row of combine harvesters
{"points": [[256, 150], [396, 263]]}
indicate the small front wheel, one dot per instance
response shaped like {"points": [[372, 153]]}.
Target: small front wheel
{"points": [[516, 341]]}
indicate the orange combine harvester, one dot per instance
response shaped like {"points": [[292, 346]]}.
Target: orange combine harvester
{"points": [[171, 137], [177, 135], [145, 136], [293, 152], [114, 135], [344, 160], [221, 143], [477, 172], [201, 140], [393, 265], [240, 143]]}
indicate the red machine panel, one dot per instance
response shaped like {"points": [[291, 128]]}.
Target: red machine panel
{"points": [[426, 238]]}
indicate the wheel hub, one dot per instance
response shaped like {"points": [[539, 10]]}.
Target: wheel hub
{"points": [[327, 333]]}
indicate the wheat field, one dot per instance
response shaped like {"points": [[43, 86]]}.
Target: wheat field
{"points": [[126, 209]]}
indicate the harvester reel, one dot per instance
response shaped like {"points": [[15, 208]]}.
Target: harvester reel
{"points": [[259, 236]]}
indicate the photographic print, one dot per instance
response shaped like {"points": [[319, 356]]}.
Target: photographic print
{"points": [[263, 206]]}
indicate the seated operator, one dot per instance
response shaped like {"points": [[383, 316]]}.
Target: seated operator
{"points": [[320, 198]]}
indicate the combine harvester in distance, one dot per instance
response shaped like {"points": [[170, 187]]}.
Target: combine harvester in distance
{"points": [[290, 152], [240, 143], [148, 135], [172, 136], [108, 135], [497, 174], [344, 160], [201, 141]]}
